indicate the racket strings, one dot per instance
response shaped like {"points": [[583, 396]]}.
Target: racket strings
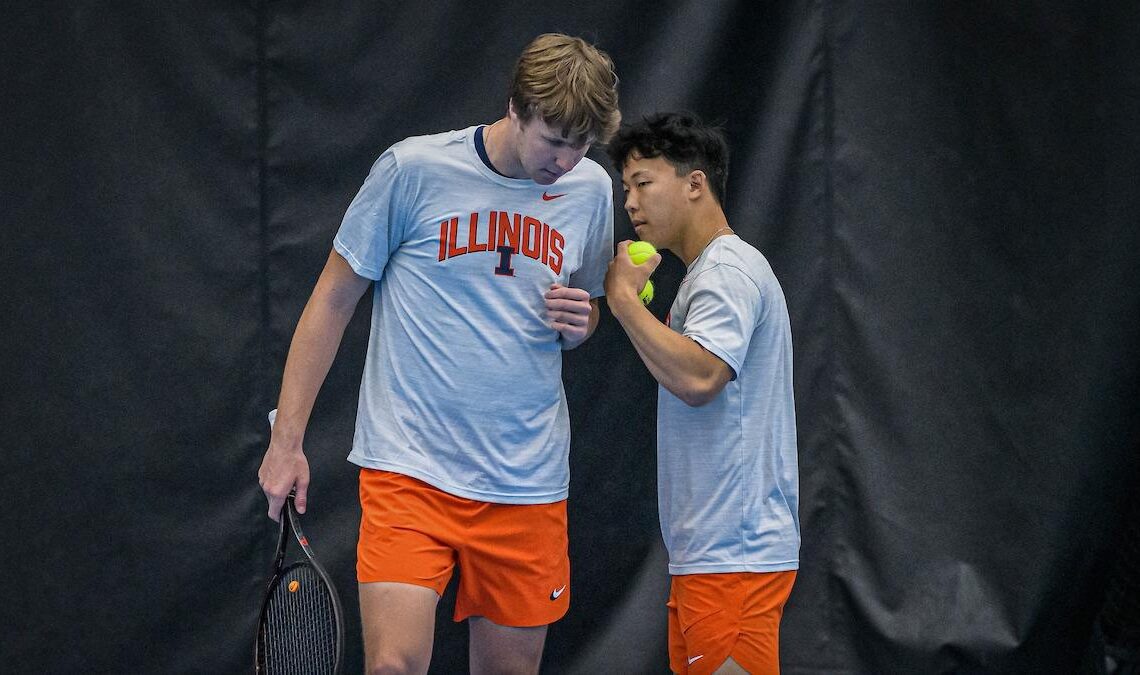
{"points": [[299, 632]]}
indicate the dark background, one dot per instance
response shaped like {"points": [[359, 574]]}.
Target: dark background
{"points": [[947, 192]]}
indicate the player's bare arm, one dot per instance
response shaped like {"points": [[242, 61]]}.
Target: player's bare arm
{"points": [[311, 354], [679, 364], [572, 313]]}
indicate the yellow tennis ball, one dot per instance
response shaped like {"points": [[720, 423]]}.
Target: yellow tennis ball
{"points": [[640, 251], [294, 585], [646, 293]]}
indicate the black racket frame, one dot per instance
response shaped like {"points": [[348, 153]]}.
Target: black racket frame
{"points": [[291, 523]]}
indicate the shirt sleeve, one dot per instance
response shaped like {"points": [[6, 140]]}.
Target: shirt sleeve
{"points": [[374, 224], [599, 250], [724, 310]]}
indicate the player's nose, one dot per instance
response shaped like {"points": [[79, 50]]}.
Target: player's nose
{"points": [[568, 159]]}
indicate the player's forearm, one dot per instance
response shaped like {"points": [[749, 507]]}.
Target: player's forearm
{"points": [[679, 364], [315, 344]]}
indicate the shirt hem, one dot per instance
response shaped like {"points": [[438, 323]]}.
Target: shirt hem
{"points": [[723, 568], [357, 266], [459, 491], [716, 351]]}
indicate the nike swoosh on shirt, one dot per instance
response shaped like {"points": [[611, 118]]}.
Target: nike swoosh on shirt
{"points": [[547, 197], [696, 658], [554, 595]]}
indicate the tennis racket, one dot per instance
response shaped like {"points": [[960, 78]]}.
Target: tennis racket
{"points": [[301, 627]]}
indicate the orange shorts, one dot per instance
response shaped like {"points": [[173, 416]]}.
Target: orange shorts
{"points": [[513, 558], [737, 614]]}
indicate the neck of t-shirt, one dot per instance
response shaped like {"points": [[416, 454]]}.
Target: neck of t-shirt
{"points": [[481, 148]]}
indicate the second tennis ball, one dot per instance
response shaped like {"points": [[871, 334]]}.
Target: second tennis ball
{"points": [[646, 293], [639, 252]]}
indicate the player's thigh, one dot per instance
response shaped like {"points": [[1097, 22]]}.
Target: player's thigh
{"points": [[505, 649], [399, 626], [730, 667]]}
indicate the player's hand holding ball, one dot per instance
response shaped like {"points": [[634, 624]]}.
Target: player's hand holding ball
{"points": [[639, 252], [628, 275]]}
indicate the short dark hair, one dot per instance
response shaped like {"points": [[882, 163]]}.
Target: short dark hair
{"points": [[682, 139]]}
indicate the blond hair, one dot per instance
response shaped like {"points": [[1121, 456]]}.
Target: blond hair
{"points": [[568, 83]]}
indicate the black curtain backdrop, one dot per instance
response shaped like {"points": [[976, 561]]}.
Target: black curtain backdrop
{"points": [[947, 192]]}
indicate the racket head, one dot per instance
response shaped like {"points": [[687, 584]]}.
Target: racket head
{"points": [[300, 628]]}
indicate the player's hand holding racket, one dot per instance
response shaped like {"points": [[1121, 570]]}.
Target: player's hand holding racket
{"points": [[284, 471], [301, 626]]}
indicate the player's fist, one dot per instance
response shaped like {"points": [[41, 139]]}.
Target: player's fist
{"points": [[628, 275], [568, 310]]}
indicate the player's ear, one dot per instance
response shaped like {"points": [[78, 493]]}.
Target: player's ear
{"points": [[698, 183]]}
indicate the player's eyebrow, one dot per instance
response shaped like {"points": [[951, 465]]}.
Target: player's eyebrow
{"points": [[576, 142]]}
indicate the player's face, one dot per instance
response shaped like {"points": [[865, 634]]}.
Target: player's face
{"points": [[544, 153], [655, 199]]}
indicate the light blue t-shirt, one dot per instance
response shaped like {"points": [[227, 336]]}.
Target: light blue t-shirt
{"points": [[462, 384], [728, 481]]}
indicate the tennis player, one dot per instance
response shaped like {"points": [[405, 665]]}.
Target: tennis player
{"points": [[726, 431], [487, 248]]}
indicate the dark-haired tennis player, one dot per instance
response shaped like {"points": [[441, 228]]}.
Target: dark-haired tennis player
{"points": [[726, 430]]}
